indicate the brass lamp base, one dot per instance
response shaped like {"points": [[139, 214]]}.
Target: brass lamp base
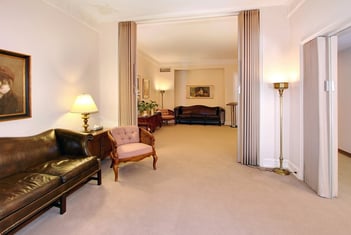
{"points": [[85, 117], [281, 171]]}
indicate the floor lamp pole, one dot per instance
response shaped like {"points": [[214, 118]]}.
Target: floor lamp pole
{"points": [[281, 86], [162, 92]]}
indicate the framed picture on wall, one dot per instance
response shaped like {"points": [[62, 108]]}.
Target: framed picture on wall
{"points": [[138, 86], [199, 91], [146, 89], [15, 97]]}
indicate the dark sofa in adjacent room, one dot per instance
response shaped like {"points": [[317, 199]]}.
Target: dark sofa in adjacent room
{"points": [[38, 172], [199, 114]]}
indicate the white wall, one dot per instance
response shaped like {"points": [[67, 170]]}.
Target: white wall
{"points": [[344, 99], [64, 63], [149, 69], [283, 31], [275, 68], [308, 19], [108, 74], [199, 77]]}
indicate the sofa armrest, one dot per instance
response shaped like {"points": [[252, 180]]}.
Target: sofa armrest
{"points": [[72, 143], [177, 111]]}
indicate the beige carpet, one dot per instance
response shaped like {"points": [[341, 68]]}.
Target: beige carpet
{"points": [[198, 188]]}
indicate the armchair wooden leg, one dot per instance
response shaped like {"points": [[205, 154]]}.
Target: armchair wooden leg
{"points": [[154, 161], [115, 169]]}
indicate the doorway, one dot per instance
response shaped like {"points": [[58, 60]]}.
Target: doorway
{"points": [[344, 111], [170, 45]]}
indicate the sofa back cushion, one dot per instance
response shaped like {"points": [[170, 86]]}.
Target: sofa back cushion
{"points": [[199, 110], [187, 110], [20, 153], [207, 110], [126, 135]]}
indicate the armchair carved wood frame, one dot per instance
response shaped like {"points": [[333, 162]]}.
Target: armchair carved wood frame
{"points": [[131, 144]]}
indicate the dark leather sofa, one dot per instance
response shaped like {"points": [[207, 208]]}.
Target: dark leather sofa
{"points": [[199, 114], [38, 172]]}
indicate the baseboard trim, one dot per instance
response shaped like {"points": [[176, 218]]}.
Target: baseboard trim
{"points": [[344, 152]]}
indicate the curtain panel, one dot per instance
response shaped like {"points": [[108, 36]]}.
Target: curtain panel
{"points": [[249, 80], [127, 70]]}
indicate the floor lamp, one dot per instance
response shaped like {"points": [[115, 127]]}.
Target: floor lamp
{"points": [[162, 92], [281, 86]]}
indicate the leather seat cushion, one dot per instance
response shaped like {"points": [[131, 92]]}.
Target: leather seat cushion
{"points": [[198, 116], [185, 115], [212, 117], [65, 167], [23, 188], [134, 149]]}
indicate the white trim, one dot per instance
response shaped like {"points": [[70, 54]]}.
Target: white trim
{"points": [[295, 170], [329, 30], [65, 12], [274, 162], [186, 18], [296, 8], [301, 172]]}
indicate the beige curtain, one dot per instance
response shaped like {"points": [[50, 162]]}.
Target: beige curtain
{"points": [[127, 69], [249, 80]]}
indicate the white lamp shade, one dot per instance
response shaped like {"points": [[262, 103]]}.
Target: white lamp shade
{"points": [[84, 104]]}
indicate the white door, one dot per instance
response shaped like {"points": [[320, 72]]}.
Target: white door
{"points": [[320, 115]]}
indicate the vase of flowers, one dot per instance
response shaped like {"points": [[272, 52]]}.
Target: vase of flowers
{"points": [[142, 108], [147, 108], [152, 106]]}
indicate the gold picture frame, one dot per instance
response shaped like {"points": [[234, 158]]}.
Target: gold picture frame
{"points": [[146, 89], [15, 97], [199, 91]]}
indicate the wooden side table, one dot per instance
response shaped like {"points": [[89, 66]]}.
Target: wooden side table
{"points": [[150, 123], [99, 145]]}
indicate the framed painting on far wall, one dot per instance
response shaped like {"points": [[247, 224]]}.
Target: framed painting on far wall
{"points": [[146, 89], [15, 97], [199, 92]]}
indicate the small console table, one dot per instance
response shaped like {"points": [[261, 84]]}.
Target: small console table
{"points": [[99, 143], [150, 122]]}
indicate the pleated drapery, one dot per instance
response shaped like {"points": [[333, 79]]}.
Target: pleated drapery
{"points": [[249, 80], [127, 78]]}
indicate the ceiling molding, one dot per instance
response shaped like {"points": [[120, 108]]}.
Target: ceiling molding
{"points": [[188, 18]]}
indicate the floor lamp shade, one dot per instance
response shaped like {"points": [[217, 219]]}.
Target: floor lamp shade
{"points": [[85, 105]]}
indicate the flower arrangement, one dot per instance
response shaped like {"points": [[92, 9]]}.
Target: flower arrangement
{"points": [[153, 105], [147, 107], [142, 106]]}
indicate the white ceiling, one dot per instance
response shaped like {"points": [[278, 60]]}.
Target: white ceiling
{"points": [[205, 41], [172, 31]]}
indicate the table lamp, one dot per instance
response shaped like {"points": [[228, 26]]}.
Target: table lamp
{"points": [[85, 105]]}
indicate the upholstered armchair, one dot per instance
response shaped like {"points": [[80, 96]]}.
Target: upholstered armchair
{"points": [[166, 115], [131, 144]]}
